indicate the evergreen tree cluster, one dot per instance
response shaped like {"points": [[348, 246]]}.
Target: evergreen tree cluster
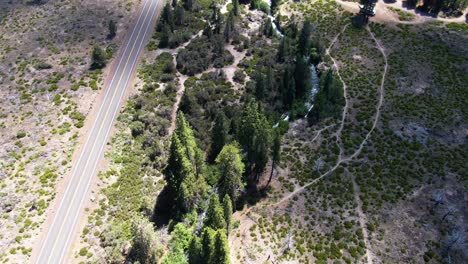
{"points": [[450, 7], [172, 27], [329, 100], [283, 81], [209, 49], [185, 175], [185, 169]]}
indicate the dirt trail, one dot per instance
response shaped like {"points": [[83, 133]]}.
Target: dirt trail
{"points": [[376, 119], [318, 132], [362, 222], [345, 94]]}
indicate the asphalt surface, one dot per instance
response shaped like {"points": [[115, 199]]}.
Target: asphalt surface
{"points": [[59, 236]]}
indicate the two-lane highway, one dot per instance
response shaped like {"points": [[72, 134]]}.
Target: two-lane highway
{"points": [[56, 242]]}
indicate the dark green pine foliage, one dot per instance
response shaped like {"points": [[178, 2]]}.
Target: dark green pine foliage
{"points": [[180, 176], [260, 86], [229, 27], [216, 19], [254, 136], [270, 84], [218, 46], [215, 214], [179, 16], [195, 253], [165, 35], [188, 4], [285, 51], [329, 100], [185, 180], [219, 135], [227, 207], [99, 58], [231, 167], [221, 254], [288, 88], [112, 29], [302, 77], [278, 21], [275, 156], [304, 39], [208, 244], [267, 28], [235, 7], [194, 154], [167, 16]]}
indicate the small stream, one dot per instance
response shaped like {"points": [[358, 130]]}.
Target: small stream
{"points": [[315, 80], [273, 20], [201, 217]]}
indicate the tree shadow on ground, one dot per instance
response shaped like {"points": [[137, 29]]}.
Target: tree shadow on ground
{"points": [[162, 209]]}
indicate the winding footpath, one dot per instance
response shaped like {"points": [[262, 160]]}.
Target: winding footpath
{"points": [[345, 109]]}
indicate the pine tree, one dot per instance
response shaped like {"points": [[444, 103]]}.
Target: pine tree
{"points": [[254, 136], [302, 77], [218, 46], [278, 21], [227, 207], [165, 36], [185, 180], [304, 39], [215, 214], [276, 156], [179, 16], [185, 134], [99, 58], [231, 167], [219, 135], [175, 165], [208, 244], [270, 83], [195, 251], [288, 90], [229, 27], [259, 86], [235, 7], [167, 17], [188, 4], [112, 29], [221, 254], [267, 28], [284, 50]]}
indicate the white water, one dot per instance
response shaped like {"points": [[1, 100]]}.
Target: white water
{"points": [[314, 79], [273, 19], [274, 26], [201, 217], [285, 117]]}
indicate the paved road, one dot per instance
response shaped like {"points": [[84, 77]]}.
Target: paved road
{"points": [[56, 243]]}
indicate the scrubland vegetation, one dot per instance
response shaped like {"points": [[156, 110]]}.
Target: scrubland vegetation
{"points": [[217, 159], [47, 88], [226, 154]]}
